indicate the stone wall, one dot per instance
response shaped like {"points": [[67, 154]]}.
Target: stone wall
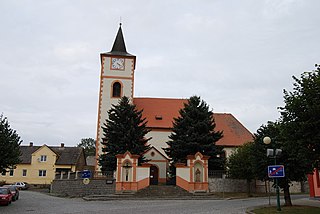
{"points": [[229, 185], [77, 188], [238, 185]]}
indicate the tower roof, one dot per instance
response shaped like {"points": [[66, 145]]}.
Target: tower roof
{"points": [[119, 46]]}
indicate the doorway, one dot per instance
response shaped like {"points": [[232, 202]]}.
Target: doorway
{"points": [[154, 174]]}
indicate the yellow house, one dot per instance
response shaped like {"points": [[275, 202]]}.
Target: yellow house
{"points": [[40, 163]]}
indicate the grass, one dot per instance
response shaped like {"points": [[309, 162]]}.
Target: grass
{"points": [[291, 210], [234, 195]]}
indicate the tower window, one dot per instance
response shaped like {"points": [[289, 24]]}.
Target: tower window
{"points": [[116, 89]]}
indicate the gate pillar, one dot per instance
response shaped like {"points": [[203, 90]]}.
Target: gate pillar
{"points": [[130, 176], [193, 177]]}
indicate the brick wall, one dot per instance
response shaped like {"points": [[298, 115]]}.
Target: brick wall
{"points": [[76, 188]]}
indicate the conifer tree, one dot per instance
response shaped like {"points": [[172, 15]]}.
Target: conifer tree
{"points": [[9, 146], [193, 131], [125, 130]]}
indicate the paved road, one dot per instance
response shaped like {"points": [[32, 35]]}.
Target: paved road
{"points": [[36, 203]]}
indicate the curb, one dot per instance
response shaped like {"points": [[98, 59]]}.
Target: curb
{"points": [[113, 197]]}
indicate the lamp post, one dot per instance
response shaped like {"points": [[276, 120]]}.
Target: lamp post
{"points": [[274, 154]]}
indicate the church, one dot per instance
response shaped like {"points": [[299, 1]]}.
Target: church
{"points": [[117, 80]]}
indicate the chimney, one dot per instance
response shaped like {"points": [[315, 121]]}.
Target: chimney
{"points": [[62, 145], [31, 143]]}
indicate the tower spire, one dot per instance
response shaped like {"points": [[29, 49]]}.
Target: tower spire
{"points": [[119, 46]]}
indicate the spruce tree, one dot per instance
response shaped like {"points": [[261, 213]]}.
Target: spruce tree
{"points": [[9, 146], [125, 130], [193, 131]]}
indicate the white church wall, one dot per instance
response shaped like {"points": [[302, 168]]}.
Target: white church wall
{"points": [[184, 173], [158, 160], [162, 166], [142, 173], [159, 140]]}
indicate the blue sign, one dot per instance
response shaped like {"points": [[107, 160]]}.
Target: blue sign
{"points": [[86, 174], [276, 171]]}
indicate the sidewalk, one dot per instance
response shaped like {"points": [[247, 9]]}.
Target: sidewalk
{"points": [[312, 202], [307, 202]]}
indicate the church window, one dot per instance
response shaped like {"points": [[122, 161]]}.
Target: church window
{"points": [[116, 89]]}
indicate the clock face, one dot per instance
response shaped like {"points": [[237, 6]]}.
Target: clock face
{"points": [[117, 63]]}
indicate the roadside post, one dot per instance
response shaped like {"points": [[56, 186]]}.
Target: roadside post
{"points": [[276, 171], [86, 174]]}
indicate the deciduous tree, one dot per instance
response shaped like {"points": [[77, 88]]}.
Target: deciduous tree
{"points": [[89, 146], [301, 115], [241, 165]]}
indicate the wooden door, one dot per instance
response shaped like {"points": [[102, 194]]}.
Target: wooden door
{"points": [[154, 174]]}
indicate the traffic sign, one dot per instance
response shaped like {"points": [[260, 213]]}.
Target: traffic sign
{"points": [[276, 171], [86, 181], [86, 174]]}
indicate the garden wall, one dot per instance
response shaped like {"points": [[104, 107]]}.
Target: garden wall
{"points": [[76, 187], [239, 185]]}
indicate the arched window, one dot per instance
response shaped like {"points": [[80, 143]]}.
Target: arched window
{"points": [[116, 89]]}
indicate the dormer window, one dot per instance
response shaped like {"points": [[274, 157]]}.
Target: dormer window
{"points": [[43, 158], [158, 117]]}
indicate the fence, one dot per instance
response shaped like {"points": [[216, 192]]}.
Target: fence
{"points": [[104, 175], [218, 174]]}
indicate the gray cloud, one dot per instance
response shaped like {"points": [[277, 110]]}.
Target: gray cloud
{"points": [[238, 55]]}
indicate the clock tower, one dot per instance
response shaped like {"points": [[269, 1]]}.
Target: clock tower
{"points": [[116, 81]]}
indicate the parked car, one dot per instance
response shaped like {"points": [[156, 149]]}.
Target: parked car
{"points": [[14, 190], [5, 196], [21, 185]]}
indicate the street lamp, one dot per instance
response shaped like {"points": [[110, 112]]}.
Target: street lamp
{"points": [[274, 154]]}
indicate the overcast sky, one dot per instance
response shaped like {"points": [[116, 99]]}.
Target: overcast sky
{"points": [[237, 55]]}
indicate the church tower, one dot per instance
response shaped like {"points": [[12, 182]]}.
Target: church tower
{"points": [[116, 81]]}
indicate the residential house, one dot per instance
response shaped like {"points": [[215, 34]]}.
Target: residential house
{"points": [[39, 164]]}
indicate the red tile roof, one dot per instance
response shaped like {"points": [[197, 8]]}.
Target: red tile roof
{"points": [[161, 111]]}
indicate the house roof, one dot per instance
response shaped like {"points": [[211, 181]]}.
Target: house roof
{"points": [[155, 149], [65, 155], [26, 153], [160, 112]]}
